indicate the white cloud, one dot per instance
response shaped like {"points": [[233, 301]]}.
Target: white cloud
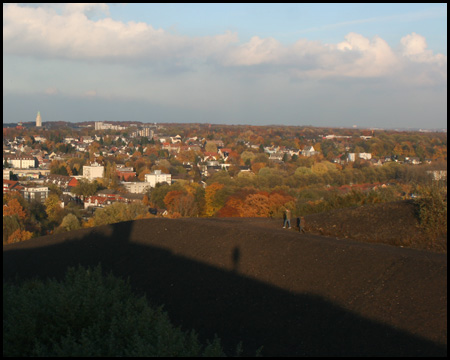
{"points": [[414, 47], [375, 58], [70, 32]]}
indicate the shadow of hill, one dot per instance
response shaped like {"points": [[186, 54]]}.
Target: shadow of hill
{"points": [[211, 299]]}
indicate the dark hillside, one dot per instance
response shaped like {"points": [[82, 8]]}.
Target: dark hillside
{"points": [[250, 280], [392, 223]]}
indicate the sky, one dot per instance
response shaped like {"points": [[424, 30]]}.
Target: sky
{"points": [[325, 65]]}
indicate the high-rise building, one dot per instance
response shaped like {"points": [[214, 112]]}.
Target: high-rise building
{"points": [[38, 119]]}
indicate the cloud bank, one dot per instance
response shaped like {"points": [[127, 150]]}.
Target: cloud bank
{"points": [[71, 32]]}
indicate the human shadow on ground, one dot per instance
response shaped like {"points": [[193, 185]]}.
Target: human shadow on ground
{"points": [[217, 301]]}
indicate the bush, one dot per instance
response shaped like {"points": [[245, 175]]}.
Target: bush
{"points": [[432, 208], [88, 314]]}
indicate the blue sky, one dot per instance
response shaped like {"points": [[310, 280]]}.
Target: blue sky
{"points": [[334, 65]]}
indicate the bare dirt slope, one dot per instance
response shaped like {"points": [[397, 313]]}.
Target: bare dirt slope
{"points": [[250, 280], [392, 223]]}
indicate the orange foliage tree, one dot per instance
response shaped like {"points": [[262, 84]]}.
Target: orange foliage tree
{"points": [[13, 207], [19, 235], [181, 203], [256, 205]]}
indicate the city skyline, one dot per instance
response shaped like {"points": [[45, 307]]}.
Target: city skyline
{"points": [[370, 65]]}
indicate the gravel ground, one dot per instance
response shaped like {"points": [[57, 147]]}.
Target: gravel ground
{"points": [[250, 280]]}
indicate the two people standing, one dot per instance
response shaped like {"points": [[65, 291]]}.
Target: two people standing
{"points": [[287, 220]]}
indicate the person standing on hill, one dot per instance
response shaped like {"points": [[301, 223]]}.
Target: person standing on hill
{"points": [[300, 221], [287, 220]]}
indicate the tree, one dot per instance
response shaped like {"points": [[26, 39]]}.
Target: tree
{"points": [[19, 235], [182, 203], [213, 201], [85, 188], [13, 207], [53, 209], [97, 304], [10, 225], [70, 222]]}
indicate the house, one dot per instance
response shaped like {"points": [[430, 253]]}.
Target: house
{"points": [[96, 201], [413, 160], [365, 156], [63, 181], [175, 139], [309, 151], [338, 159], [277, 156], [10, 185], [209, 156], [224, 153]]}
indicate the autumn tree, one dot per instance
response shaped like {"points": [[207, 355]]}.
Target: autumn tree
{"points": [[13, 207], [19, 235], [213, 199], [53, 209], [182, 203]]}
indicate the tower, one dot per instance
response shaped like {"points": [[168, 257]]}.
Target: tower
{"points": [[38, 119]]}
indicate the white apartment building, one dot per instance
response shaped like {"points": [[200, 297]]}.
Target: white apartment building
{"points": [[20, 161], [100, 125], [93, 171], [136, 187], [365, 156], [157, 177]]}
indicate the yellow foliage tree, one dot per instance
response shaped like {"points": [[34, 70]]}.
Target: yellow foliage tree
{"points": [[211, 206], [19, 235]]}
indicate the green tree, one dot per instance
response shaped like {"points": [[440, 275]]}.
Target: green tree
{"points": [[91, 314], [10, 225], [85, 188], [69, 222]]}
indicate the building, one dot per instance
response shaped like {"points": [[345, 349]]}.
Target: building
{"points": [[136, 187], [61, 181], [365, 156], [93, 171], [35, 193], [157, 177], [125, 175], [309, 151], [100, 125], [20, 161], [11, 185], [38, 120]]}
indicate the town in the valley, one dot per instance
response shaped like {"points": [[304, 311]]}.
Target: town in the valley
{"points": [[58, 175]]}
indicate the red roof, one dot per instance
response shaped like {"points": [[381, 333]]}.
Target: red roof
{"points": [[9, 185]]}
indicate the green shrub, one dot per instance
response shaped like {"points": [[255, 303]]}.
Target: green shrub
{"points": [[88, 314], [432, 208]]}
